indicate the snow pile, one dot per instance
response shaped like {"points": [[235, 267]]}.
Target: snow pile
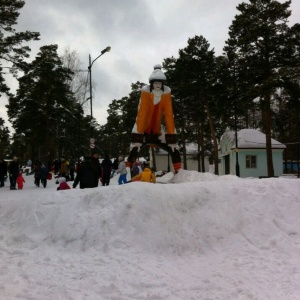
{"points": [[206, 237]]}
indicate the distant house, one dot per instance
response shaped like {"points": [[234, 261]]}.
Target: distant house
{"points": [[163, 160], [250, 154]]}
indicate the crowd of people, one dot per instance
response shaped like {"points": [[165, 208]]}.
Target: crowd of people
{"points": [[88, 172]]}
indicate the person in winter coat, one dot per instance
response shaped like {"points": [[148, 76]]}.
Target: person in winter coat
{"points": [[20, 181], [3, 172], [64, 168], [145, 176], [13, 171], [106, 170], [122, 171], [62, 184], [43, 175], [154, 106], [37, 169], [87, 175], [97, 165]]}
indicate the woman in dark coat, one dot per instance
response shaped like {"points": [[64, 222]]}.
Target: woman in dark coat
{"points": [[87, 174], [13, 171]]}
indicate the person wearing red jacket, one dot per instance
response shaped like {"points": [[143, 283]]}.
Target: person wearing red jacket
{"points": [[155, 104], [20, 181]]}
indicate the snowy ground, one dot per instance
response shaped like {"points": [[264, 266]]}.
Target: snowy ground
{"points": [[201, 237]]}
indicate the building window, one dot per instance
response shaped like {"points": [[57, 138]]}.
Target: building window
{"points": [[250, 161]]}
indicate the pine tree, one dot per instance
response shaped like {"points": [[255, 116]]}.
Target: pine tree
{"points": [[193, 76], [4, 139], [261, 39], [12, 49], [44, 108]]}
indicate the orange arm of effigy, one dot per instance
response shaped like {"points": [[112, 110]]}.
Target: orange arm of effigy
{"points": [[144, 112]]}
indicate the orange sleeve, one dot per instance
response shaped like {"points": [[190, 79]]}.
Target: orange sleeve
{"points": [[168, 114], [143, 113]]}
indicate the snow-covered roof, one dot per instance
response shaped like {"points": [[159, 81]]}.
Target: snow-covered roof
{"points": [[191, 149], [251, 138]]}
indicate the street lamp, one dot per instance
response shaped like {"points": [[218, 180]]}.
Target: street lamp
{"points": [[80, 106], [107, 49]]}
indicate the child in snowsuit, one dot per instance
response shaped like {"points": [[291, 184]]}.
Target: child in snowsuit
{"points": [[145, 176], [20, 181], [62, 184], [122, 170]]}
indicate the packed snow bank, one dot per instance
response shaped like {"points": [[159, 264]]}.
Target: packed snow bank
{"points": [[215, 238], [158, 219]]}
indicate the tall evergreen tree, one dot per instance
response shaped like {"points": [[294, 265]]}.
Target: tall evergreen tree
{"points": [[12, 49], [43, 108], [193, 76], [4, 139], [262, 39]]}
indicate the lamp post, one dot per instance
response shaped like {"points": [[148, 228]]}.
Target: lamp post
{"points": [[80, 106], [107, 49]]}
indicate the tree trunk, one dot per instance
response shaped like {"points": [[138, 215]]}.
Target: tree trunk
{"points": [[213, 134], [202, 149], [184, 151], [268, 135], [183, 145], [199, 155]]}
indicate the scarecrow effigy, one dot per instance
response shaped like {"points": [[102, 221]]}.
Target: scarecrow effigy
{"points": [[155, 104]]}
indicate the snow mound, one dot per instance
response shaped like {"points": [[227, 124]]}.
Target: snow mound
{"points": [[226, 238], [192, 176]]}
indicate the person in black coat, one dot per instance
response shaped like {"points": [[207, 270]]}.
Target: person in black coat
{"points": [[95, 161], [3, 171], [106, 170], [87, 175], [37, 173], [13, 171], [43, 175]]}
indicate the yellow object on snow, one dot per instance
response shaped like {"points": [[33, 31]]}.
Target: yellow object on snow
{"points": [[145, 176]]}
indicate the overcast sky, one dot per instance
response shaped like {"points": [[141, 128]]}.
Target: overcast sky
{"points": [[141, 33]]}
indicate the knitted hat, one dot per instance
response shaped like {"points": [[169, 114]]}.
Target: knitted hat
{"points": [[61, 179], [157, 74]]}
